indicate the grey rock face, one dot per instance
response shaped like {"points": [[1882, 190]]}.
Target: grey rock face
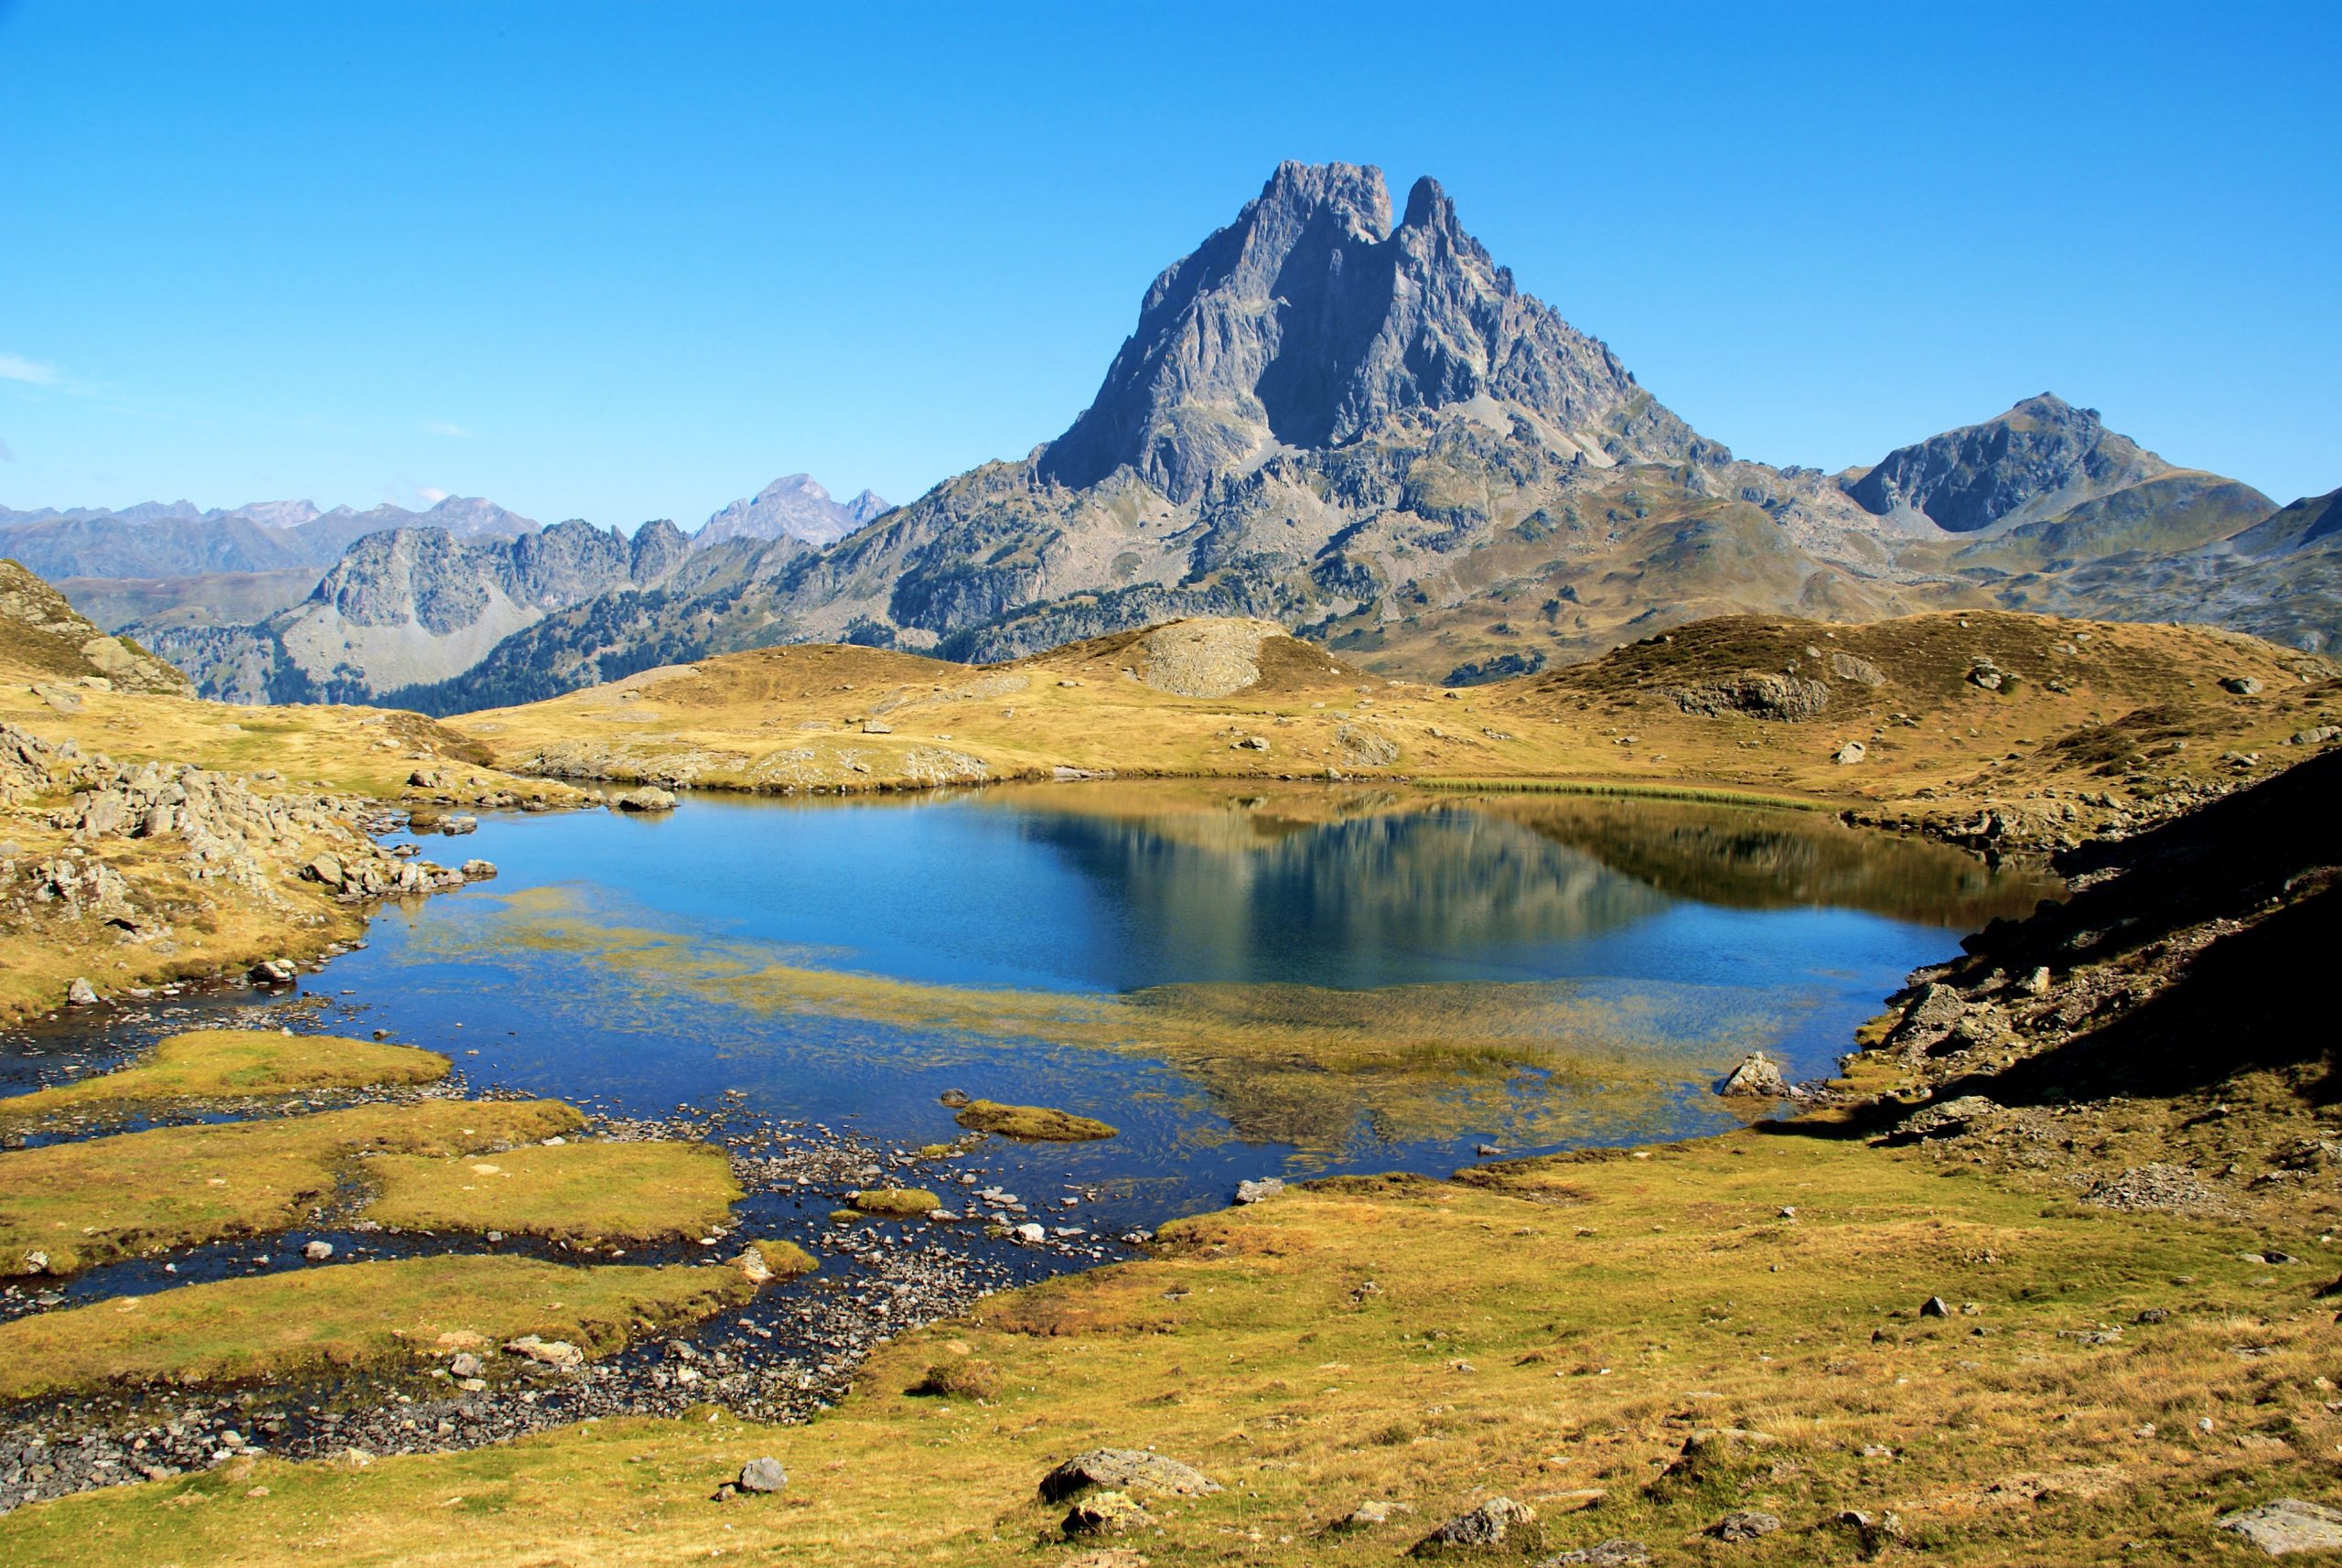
{"points": [[2287, 1525], [794, 507], [2042, 457], [1310, 319], [409, 607]]}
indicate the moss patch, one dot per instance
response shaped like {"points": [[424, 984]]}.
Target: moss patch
{"points": [[349, 1315], [78, 1205], [1036, 1122], [591, 1191], [207, 1065]]}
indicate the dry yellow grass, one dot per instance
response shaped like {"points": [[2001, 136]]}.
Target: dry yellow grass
{"points": [[1937, 746], [595, 1191], [206, 1067], [75, 1205], [1556, 1333]]}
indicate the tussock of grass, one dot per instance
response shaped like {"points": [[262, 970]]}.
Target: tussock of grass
{"points": [[206, 1065], [786, 1259], [307, 1320], [969, 1380], [1036, 1123], [901, 1201], [87, 1203], [591, 1191]]}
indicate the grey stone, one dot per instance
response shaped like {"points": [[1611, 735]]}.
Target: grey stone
{"points": [[317, 1252], [762, 1475], [2287, 1525], [80, 992], [1126, 1469], [1493, 1523], [1853, 751], [1745, 1524], [1259, 1191], [2240, 685], [1757, 1077]]}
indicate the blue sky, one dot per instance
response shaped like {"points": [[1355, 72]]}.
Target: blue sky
{"points": [[624, 260]]}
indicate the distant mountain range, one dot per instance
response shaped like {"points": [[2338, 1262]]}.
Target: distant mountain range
{"points": [[1363, 430]]}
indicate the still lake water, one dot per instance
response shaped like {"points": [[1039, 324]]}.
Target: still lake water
{"points": [[1246, 981]]}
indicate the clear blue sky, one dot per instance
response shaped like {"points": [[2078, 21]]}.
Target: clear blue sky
{"points": [[634, 260]]}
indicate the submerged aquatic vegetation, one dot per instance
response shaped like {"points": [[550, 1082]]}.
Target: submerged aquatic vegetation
{"points": [[1533, 1062]]}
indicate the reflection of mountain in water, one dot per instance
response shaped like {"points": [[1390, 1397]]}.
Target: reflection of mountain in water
{"points": [[1746, 858], [1369, 901], [1250, 886]]}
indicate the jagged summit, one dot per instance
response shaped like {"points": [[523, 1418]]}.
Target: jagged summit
{"points": [[2041, 457], [1310, 320], [794, 506]]}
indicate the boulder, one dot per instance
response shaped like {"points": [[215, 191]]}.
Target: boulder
{"points": [[1259, 1191], [1745, 1524], [327, 869], [1126, 1469], [1494, 1523], [559, 1354], [1757, 1077], [2240, 685], [479, 871], [2286, 1525], [762, 1475], [1853, 751], [465, 1365], [317, 1252], [649, 798], [272, 972], [1787, 699], [81, 993], [455, 827]]}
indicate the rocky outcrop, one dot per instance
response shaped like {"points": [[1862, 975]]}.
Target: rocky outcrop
{"points": [[42, 633]]}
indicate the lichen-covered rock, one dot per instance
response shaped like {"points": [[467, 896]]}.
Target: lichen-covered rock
{"points": [[1126, 1469], [1787, 699], [1499, 1521]]}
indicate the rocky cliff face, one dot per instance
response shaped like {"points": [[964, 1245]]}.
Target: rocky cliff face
{"points": [[1311, 320], [794, 507], [2042, 457], [415, 606]]}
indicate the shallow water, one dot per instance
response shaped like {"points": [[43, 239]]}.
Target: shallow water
{"points": [[1246, 981]]}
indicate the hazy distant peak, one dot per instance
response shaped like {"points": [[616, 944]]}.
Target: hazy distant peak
{"points": [[795, 506]]}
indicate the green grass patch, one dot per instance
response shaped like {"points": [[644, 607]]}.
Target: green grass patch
{"points": [[900, 1201], [1034, 1123], [592, 1191], [348, 1315], [227, 1064], [68, 1207]]}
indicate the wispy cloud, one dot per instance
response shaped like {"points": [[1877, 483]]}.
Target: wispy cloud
{"points": [[445, 427], [6, 455], [17, 368], [433, 494]]}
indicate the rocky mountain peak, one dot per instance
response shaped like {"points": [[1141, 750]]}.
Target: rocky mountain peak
{"points": [[794, 506], [2041, 457], [1310, 320]]}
